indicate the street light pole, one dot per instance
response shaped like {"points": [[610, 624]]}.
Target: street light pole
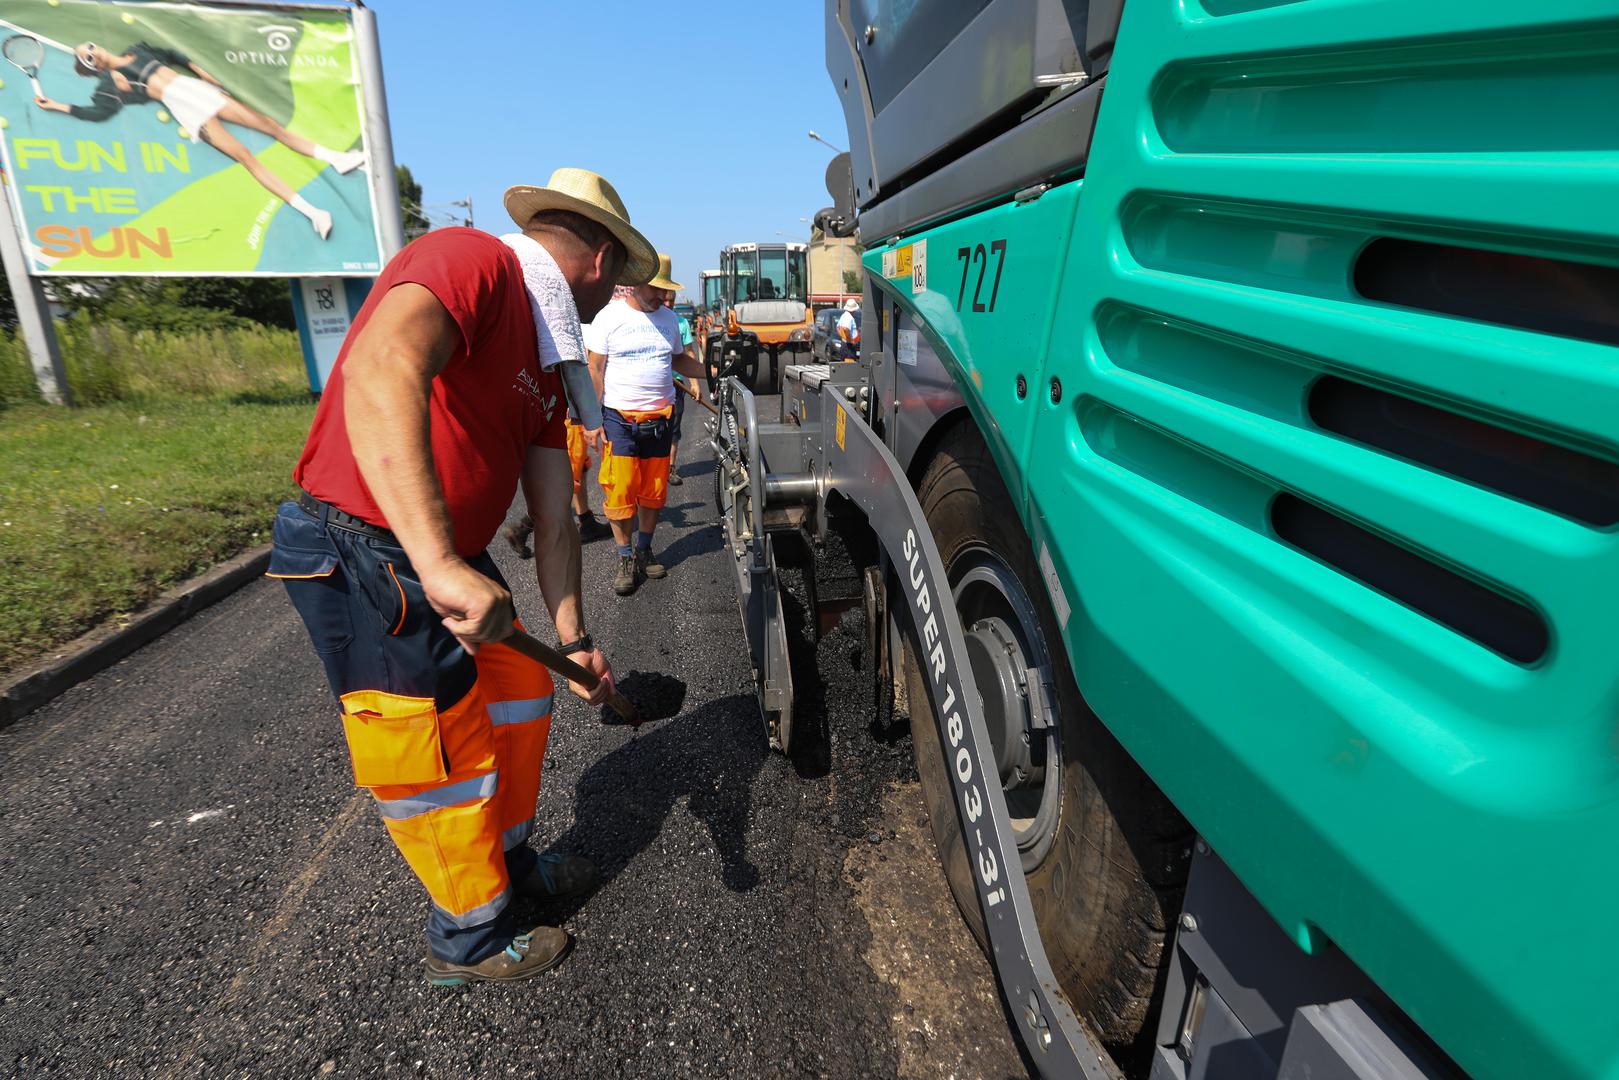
{"points": [[823, 142]]}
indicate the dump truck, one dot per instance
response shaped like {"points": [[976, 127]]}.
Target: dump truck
{"points": [[1228, 483], [764, 299]]}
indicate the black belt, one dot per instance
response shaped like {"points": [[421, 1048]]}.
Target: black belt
{"points": [[338, 519]]}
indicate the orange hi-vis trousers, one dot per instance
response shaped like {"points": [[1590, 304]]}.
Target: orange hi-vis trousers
{"points": [[449, 744], [635, 465]]}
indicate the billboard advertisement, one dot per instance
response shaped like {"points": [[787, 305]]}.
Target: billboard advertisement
{"points": [[183, 138]]}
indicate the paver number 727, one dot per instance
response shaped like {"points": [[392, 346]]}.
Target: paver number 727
{"points": [[977, 256]]}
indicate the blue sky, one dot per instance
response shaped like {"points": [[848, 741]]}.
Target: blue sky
{"points": [[696, 112]]}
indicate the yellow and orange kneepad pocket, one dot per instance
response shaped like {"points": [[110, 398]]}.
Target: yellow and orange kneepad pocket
{"points": [[393, 739]]}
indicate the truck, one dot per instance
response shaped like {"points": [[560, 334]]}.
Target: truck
{"points": [[1229, 484], [764, 310]]}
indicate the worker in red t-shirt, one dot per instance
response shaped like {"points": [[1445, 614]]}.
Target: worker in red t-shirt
{"points": [[440, 404]]}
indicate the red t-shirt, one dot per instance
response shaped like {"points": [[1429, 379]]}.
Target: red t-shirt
{"points": [[489, 404]]}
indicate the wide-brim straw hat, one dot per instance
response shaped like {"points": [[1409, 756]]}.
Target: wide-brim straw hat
{"points": [[663, 280], [589, 195]]}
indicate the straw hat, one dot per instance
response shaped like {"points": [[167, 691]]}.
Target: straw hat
{"points": [[851, 304], [588, 195], [662, 281]]}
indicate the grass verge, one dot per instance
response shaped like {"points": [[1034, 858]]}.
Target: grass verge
{"points": [[102, 507]]}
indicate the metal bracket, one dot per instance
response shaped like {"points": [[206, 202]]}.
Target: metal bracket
{"points": [[736, 446]]}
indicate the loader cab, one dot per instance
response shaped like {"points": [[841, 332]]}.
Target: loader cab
{"points": [[755, 272]]}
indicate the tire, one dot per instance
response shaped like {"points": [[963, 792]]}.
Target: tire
{"points": [[711, 362], [1107, 887]]}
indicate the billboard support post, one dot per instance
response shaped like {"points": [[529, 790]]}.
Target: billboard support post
{"points": [[33, 311], [380, 154]]}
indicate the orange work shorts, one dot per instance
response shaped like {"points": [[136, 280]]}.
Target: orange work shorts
{"points": [[578, 454], [635, 465]]}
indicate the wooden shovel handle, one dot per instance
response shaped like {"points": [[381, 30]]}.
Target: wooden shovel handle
{"points": [[696, 396], [542, 653]]}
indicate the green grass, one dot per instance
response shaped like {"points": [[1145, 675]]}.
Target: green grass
{"points": [[176, 464]]}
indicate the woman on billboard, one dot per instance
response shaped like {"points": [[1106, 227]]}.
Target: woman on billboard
{"points": [[202, 107]]}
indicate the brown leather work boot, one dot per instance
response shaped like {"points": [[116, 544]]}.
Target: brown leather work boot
{"points": [[557, 876], [541, 949], [592, 527], [649, 567], [627, 578]]}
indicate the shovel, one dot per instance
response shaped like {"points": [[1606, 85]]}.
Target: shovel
{"points": [[688, 388], [542, 653]]}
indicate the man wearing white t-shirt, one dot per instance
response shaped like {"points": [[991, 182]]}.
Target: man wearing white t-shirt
{"points": [[634, 347], [849, 330]]}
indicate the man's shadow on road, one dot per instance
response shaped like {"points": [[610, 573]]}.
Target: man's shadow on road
{"points": [[709, 755], [675, 515], [690, 544]]}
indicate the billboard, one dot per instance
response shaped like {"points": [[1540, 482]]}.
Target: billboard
{"points": [[181, 138]]}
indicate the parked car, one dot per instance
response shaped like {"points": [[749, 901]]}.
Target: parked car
{"points": [[825, 346]]}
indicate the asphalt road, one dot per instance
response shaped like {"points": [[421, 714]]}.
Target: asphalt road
{"points": [[190, 884]]}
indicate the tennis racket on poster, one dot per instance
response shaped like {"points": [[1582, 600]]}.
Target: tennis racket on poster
{"points": [[26, 53]]}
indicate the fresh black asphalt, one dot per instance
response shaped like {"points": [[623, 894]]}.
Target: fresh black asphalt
{"points": [[191, 885]]}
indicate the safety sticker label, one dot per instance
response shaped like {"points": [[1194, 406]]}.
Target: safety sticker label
{"points": [[889, 263], [902, 261], [907, 347], [919, 267], [843, 420]]}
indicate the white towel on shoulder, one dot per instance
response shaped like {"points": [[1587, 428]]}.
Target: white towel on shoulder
{"points": [[556, 319], [556, 325]]}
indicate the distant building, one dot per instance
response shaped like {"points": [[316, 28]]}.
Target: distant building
{"points": [[831, 258]]}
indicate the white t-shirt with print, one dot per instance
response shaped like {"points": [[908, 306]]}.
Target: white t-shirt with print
{"points": [[640, 347]]}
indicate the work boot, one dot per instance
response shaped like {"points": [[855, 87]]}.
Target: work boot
{"points": [[541, 949], [674, 477], [647, 565], [628, 576], [556, 877], [592, 527], [517, 533]]}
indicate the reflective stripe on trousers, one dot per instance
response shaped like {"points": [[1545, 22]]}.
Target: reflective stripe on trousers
{"points": [[449, 744]]}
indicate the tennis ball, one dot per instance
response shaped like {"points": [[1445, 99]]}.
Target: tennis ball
{"points": [[163, 116], [183, 133], [2, 84], [54, 3], [4, 123], [128, 18]]}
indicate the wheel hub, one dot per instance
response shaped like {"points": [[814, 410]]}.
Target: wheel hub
{"points": [[1012, 667], [1001, 672]]}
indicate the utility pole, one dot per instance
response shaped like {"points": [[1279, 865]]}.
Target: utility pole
{"points": [[33, 310]]}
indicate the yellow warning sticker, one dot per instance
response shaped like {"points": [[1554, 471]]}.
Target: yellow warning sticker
{"points": [[902, 262], [843, 420]]}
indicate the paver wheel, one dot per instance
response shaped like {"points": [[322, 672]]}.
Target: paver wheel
{"points": [[1104, 851]]}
